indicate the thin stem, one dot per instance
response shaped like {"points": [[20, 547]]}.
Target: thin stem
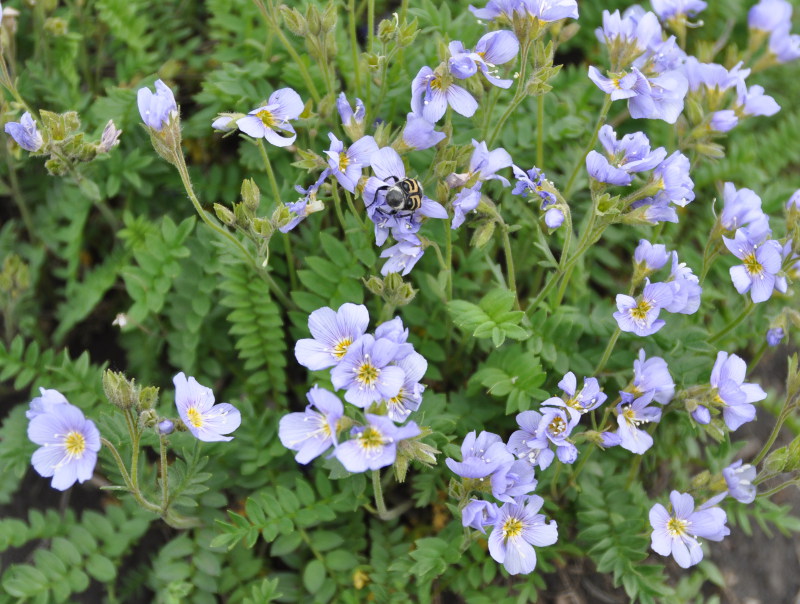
{"points": [[276, 192], [351, 26], [337, 204], [19, 199], [273, 25], [141, 499], [134, 431], [607, 354], [519, 94], [579, 164], [448, 259], [741, 317], [377, 489], [540, 131], [785, 413], [164, 472], [353, 209], [780, 487], [512, 280]]}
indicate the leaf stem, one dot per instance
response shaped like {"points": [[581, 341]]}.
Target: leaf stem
{"points": [[735, 322], [579, 164]]}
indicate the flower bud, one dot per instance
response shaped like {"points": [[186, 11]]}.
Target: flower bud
{"points": [[166, 427], [119, 391], [224, 214]]}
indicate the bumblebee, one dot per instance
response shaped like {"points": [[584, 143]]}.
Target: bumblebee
{"points": [[403, 196]]}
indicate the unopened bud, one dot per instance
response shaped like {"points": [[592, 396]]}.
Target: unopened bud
{"points": [[224, 214], [166, 427]]}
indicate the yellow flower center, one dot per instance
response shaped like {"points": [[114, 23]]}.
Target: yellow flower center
{"points": [[370, 439], [639, 312], [558, 426], [574, 403], [195, 418], [344, 161], [512, 528], [266, 118], [436, 83], [75, 443], [341, 347], [752, 265], [677, 527], [367, 374], [397, 401]]}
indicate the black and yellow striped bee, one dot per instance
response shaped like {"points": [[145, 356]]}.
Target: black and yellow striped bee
{"points": [[403, 196]]}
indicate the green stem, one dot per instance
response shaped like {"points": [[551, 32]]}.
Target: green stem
{"points": [[607, 354], [741, 317], [540, 132], [351, 26], [448, 259], [582, 159], [276, 192], [19, 199], [579, 468], [337, 204], [780, 487], [141, 499], [512, 280], [273, 25], [377, 489], [364, 224], [164, 472], [133, 428], [519, 94], [785, 413]]}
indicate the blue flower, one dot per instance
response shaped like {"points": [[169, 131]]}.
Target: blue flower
{"points": [[420, 134], [431, 94], [664, 100], [671, 9], [273, 118], [513, 479], [409, 398], [686, 289], [739, 479], [732, 393], [48, 402], [588, 398], [479, 514], [25, 133], [626, 156], [753, 101], [623, 87], [349, 117], [651, 257], [532, 180], [157, 109], [554, 218], [205, 420], [465, 201], [628, 37], [69, 442], [346, 166], [495, 48], [481, 455], [723, 121], [517, 529], [550, 10], [166, 427], [774, 336], [365, 372], [402, 256], [769, 15], [313, 431], [761, 262], [652, 375], [742, 208], [676, 534], [640, 316], [713, 77], [374, 446], [631, 413], [672, 176], [333, 332], [783, 44]]}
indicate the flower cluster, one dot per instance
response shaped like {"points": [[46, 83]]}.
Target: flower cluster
{"points": [[379, 373], [488, 464], [535, 180], [679, 293], [645, 65], [773, 18], [269, 121]]}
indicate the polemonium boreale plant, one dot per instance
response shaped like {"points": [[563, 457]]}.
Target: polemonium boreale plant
{"points": [[409, 408]]}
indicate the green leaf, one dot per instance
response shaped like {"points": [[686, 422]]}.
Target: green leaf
{"points": [[314, 576], [101, 568]]}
